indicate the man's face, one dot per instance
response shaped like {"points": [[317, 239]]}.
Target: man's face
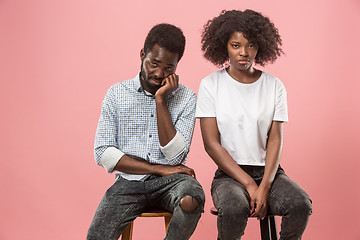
{"points": [[156, 65]]}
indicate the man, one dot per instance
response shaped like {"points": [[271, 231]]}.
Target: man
{"points": [[144, 133]]}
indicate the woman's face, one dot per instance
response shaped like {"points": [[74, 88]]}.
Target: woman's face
{"points": [[241, 52]]}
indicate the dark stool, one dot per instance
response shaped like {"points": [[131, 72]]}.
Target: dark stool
{"points": [[267, 226]]}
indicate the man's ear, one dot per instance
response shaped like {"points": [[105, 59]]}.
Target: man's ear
{"points": [[142, 54]]}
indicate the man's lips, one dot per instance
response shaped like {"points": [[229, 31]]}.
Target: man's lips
{"points": [[155, 81]]}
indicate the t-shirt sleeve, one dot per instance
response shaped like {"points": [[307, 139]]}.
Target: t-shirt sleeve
{"points": [[281, 112], [205, 106]]}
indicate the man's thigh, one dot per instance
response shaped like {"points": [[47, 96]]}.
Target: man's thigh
{"points": [[121, 204], [124, 199], [166, 192]]}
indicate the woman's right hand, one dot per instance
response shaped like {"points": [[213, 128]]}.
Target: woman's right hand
{"points": [[251, 189]]}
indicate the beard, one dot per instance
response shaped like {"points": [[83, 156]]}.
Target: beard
{"points": [[144, 79]]}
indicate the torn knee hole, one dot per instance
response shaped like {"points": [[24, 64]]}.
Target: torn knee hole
{"points": [[188, 204]]}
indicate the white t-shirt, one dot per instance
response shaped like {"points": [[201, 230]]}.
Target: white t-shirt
{"points": [[244, 112]]}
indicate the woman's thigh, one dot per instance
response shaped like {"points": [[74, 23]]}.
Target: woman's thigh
{"points": [[230, 197], [286, 195]]}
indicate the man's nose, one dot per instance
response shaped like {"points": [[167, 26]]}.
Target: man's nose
{"points": [[159, 73]]}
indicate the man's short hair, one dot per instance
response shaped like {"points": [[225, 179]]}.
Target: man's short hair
{"points": [[166, 36]]}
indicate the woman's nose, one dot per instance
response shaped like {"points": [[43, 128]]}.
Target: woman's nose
{"points": [[243, 51]]}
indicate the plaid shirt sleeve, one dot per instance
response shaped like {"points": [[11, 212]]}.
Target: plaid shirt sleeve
{"points": [[105, 150], [177, 149]]}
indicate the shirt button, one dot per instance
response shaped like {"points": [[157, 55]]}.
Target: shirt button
{"points": [[150, 135], [149, 154], [152, 115]]}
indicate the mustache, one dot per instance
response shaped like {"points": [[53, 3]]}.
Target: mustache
{"points": [[142, 73], [156, 78]]}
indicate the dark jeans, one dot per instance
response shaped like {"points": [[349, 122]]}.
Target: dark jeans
{"points": [[286, 199], [125, 200]]}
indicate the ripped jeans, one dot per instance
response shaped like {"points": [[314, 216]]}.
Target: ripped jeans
{"points": [[286, 199], [125, 200]]}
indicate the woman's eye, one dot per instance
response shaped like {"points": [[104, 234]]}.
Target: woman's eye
{"points": [[235, 46]]}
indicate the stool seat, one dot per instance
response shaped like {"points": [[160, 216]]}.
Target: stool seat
{"points": [[156, 213], [267, 226], [127, 234]]}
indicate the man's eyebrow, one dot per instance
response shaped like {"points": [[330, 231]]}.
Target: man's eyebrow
{"points": [[158, 61]]}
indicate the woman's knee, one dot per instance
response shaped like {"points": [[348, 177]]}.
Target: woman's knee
{"points": [[231, 200], [300, 206], [235, 210]]}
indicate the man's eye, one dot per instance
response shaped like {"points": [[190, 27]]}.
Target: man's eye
{"points": [[154, 64], [170, 69]]}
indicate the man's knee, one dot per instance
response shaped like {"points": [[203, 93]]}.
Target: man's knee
{"points": [[189, 204]]}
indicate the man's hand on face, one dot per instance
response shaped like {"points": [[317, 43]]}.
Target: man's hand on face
{"points": [[169, 84]]}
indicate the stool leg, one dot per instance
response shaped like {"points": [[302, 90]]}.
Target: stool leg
{"points": [[167, 221], [268, 228], [127, 234], [273, 229], [264, 228]]}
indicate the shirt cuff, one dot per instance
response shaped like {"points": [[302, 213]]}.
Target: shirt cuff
{"points": [[110, 158], [175, 147]]}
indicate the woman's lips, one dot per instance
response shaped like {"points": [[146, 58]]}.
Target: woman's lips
{"points": [[243, 61]]}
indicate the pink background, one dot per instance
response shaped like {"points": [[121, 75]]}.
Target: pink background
{"points": [[58, 58]]}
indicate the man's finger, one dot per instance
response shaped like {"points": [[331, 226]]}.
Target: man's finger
{"points": [[173, 80], [193, 173]]}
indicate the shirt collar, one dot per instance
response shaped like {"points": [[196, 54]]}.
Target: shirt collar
{"points": [[137, 84], [139, 88]]}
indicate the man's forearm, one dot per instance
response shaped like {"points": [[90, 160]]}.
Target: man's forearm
{"points": [[130, 165], [166, 130]]}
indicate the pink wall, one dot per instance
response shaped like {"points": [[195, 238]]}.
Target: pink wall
{"points": [[57, 59]]}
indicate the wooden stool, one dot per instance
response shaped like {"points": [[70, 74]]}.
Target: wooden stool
{"points": [[127, 234], [267, 226]]}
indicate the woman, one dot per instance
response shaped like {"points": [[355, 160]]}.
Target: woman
{"points": [[241, 111]]}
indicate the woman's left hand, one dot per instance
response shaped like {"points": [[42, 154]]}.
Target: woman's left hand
{"points": [[260, 199]]}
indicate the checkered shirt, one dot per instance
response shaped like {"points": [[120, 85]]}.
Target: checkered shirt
{"points": [[128, 124]]}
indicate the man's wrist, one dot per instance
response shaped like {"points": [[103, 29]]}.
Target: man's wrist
{"points": [[159, 99], [158, 169]]}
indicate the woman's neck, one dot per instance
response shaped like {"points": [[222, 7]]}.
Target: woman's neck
{"points": [[244, 76]]}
